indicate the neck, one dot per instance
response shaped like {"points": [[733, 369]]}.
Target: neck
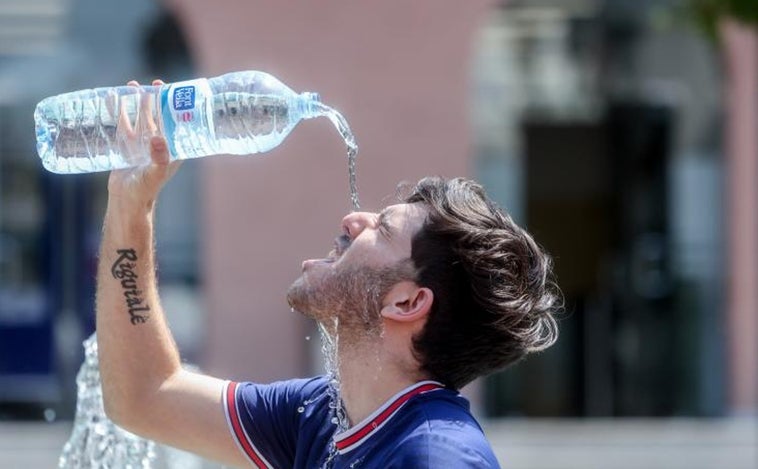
{"points": [[369, 376]]}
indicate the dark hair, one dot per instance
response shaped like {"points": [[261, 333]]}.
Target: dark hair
{"points": [[494, 297]]}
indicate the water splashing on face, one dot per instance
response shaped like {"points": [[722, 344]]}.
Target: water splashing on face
{"points": [[329, 350]]}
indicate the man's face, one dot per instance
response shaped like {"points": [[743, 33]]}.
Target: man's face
{"points": [[371, 255]]}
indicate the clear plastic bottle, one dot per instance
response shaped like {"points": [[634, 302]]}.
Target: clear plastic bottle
{"points": [[109, 128]]}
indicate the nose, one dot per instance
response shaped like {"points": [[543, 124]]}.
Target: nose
{"points": [[354, 223]]}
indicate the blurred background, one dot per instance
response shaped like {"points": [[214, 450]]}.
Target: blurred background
{"points": [[622, 133]]}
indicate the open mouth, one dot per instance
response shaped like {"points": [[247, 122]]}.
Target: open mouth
{"points": [[340, 246], [341, 243]]}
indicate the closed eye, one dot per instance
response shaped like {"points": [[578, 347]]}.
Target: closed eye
{"points": [[384, 225]]}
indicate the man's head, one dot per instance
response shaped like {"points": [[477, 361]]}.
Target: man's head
{"points": [[474, 288], [494, 298]]}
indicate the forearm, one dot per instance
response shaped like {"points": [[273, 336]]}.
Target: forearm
{"points": [[136, 350], [145, 389]]}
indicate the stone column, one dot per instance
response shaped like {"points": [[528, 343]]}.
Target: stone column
{"points": [[740, 44]]}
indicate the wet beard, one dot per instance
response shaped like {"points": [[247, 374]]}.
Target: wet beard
{"points": [[353, 295]]}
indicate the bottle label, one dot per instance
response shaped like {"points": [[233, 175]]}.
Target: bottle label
{"points": [[184, 98], [184, 106], [184, 95]]}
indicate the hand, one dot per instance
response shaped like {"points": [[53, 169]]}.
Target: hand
{"points": [[139, 187]]}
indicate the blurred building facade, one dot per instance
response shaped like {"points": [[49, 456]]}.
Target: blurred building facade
{"points": [[597, 124], [615, 141]]}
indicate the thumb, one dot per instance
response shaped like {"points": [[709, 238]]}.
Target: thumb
{"points": [[159, 151], [161, 169], [161, 158]]}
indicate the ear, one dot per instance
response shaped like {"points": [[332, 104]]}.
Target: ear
{"points": [[407, 302]]}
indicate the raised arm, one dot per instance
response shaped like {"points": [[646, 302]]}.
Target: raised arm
{"points": [[145, 389]]}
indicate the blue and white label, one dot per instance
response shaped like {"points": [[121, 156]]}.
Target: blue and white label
{"points": [[184, 98], [185, 107]]}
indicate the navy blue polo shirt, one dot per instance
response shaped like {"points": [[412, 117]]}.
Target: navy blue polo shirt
{"points": [[290, 424]]}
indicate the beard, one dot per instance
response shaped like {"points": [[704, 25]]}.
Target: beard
{"points": [[350, 297]]}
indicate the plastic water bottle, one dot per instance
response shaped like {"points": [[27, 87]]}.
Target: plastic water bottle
{"points": [[110, 128]]}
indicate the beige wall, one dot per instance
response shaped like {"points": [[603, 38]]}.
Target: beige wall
{"points": [[397, 70]]}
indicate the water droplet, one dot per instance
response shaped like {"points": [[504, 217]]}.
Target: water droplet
{"points": [[307, 337], [100, 429], [292, 310], [300, 410], [49, 415]]}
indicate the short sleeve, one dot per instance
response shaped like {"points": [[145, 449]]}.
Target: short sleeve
{"points": [[264, 421]]}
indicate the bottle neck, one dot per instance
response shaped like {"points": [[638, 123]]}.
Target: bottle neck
{"points": [[309, 105]]}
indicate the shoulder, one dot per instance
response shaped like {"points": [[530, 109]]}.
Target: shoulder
{"points": [[266, 420], [254, 401], [289, 389], [441, 432]]}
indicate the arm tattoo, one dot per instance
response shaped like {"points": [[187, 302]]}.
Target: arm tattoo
{"points": [[124, 270]]}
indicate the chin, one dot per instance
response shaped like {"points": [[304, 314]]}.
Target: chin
{"points": [[332, 289], [295, 294], [301, 296]]}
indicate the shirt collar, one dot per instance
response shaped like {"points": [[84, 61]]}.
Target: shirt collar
{"points": [[355, 436]]}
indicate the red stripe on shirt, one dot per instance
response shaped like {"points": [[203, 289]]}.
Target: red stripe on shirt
{"points": [[239, 433]]}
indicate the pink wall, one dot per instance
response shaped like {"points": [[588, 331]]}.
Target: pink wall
{"points": [[397, 70], [741, 51]]}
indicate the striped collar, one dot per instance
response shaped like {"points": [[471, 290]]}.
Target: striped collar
{"points": [[354, 437]]}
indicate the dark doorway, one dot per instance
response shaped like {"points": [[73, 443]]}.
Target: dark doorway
{"points": [[596, 198]]}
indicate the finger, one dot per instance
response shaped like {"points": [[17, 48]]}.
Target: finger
{"points": [[111, 103], [124, 122], [156, 174], [146, 113], [143, 122], [153, 124], [123, 117]]}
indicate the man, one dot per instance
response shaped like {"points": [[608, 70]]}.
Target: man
{"points": [[418, 300]]}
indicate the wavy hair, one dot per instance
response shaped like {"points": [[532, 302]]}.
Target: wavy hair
{"points": [[494, 295]]}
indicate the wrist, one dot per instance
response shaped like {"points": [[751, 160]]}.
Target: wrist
{"points": [[126, 219], [128, 207]]}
